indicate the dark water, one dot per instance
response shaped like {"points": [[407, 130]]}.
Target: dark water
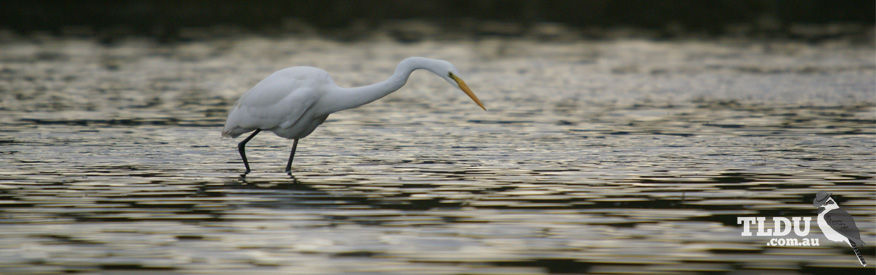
{"points": [[614, 156]]}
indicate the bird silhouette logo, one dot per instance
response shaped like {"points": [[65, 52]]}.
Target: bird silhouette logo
{"points": [[837, 225]]}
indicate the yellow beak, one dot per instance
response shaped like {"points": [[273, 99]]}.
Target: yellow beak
{"points": [[467, 91]]}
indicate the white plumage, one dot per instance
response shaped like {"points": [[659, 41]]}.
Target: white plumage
{"points": [[281, 103], [292, 102]]}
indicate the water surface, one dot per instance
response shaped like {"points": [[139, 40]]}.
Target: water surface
{"points": [[594, 156]]}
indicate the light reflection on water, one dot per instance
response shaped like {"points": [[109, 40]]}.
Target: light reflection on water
{"points": [[614, 156]]}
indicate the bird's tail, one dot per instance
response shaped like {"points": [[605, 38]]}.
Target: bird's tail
{"points": [[226, 132], [857, 253], [232, 131]]}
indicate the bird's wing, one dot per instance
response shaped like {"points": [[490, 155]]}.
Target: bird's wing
{"points": [[842, 222], [275, 101]]}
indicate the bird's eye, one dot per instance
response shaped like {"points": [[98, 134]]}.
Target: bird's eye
{"points": [[449, 74]]}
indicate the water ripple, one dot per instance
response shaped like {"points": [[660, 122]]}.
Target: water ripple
{"points": [[637, 159]]}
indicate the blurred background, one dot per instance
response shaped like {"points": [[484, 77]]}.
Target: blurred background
{"points": [[349, 19]]}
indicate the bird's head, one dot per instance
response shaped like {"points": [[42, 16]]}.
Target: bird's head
{"points": [[830, 204], [454, 79], [823, 200], [448, 72]]}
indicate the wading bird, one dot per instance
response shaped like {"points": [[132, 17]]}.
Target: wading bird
{"points": [[293, 101], [837, 225]]}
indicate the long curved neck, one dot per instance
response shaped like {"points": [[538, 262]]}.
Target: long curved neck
{"points": [[340, 98]]}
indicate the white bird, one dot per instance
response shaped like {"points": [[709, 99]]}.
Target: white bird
{"points": [[293, 101]]}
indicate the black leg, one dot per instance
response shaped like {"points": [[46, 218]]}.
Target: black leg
{"points": [[240, 148], [292, 155]]}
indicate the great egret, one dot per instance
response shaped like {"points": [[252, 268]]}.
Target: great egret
{"points": [[293, 101]]}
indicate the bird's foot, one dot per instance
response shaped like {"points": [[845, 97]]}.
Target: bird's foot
{"points": [[289, 173]]}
